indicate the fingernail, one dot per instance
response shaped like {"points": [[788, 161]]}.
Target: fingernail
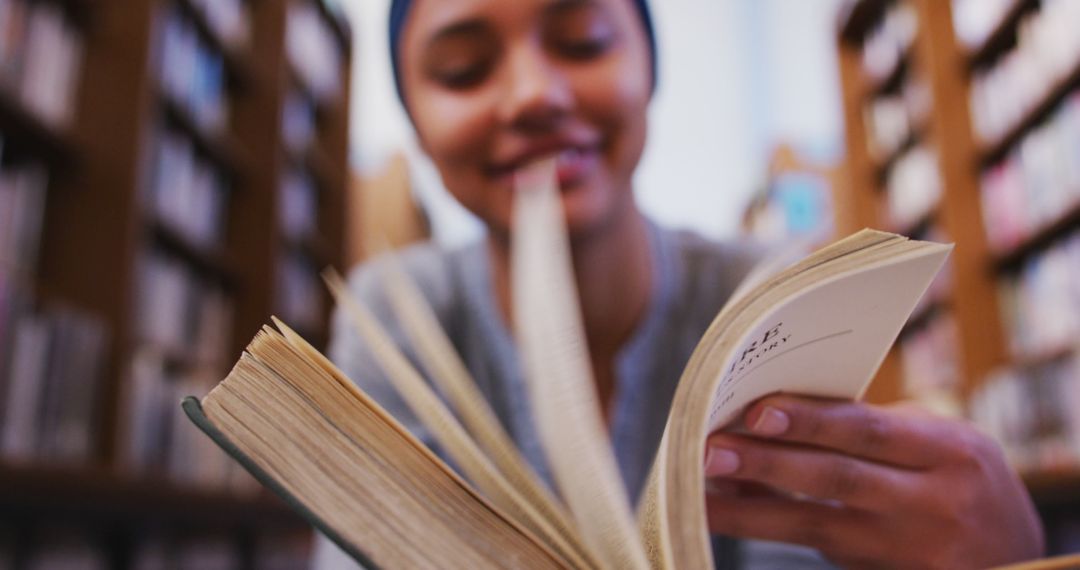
{"points": [[772, 422], [721, 462]]}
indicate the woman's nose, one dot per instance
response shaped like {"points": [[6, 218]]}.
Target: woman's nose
{"points": [[537, 93]]}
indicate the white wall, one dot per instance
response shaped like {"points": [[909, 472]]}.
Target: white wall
{"points": [[735, 77]]}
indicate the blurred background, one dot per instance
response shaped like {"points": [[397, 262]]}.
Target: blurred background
{"points": [[173, 172]]}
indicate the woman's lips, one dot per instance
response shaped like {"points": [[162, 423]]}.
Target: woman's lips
{"points": [[572, 167]]}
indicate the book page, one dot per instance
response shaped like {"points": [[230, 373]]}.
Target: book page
{"points": [[829, 341], [821, 328], [338, 454], [547, 319], [450, 434]]}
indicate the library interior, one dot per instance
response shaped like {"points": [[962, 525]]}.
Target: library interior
{"points": [[175, 172]]}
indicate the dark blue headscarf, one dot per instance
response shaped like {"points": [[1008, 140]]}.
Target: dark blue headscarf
{"points": [[399, 10]]}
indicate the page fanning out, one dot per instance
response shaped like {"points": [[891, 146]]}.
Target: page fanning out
{"points": [[547, 320]]}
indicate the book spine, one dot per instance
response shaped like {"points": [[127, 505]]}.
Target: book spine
{"points": [[1047, 51], [40, 56], [191, 72], [312, 51]]}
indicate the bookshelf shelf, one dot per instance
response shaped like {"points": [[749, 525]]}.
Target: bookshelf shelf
{"points": [[94, 494], [930, 311], [208, 262], [337, 23], [919, 228], [860, 18], [24, 132], [221, 148], [885, 165], [152, 152], [892, 81], [241, 72], [80, 12], [1002, 37], [990, 301], [1048, 356], [1037, 242], [993, 152]]}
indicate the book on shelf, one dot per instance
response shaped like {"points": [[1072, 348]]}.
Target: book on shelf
{"points": [[40, 57], [22, 208], [820, 327], [1033, 411], [52, 386], [191, 72], [313, 51]]}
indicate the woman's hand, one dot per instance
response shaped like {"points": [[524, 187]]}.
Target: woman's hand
{"points": [[870, 487]]}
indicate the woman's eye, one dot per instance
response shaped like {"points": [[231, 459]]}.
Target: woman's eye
{"points": [[461, 77], [584, 48]]}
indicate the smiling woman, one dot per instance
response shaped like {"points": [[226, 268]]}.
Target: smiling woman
{"points": [[492, 86]]}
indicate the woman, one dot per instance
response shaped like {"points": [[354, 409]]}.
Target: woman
{"points": [[491, 85]]}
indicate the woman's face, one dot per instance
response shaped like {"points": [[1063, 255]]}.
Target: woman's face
{"points": [[495, 84]]}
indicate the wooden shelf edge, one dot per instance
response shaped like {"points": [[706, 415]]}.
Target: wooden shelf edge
{"points": [[992, 153], [338, 22], [914, 138], [859, 17], [1044, 357], [25, 131], [238, 64], [920, 225], [98, 493], [996, 42], [210, 263], [894, 79], [221, 148], [1051, 233], [924, 316]]}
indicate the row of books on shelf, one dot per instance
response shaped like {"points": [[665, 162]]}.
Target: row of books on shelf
{"points": [[40, 57], [975, 20], [884, 47], [61, 548], [930, 364], [186, 191], [22, 205], [181, 311], [1047, 50], [298, 121], [913, 187], [1034, 412], [299, 212], [51, 368], [1037, 183], [1041, 303], [192, 73], [893, 118], [313, 51], [299, 292], [161, 441], [229, 20]]}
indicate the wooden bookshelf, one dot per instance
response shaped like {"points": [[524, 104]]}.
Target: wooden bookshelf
{"points": [[28, 135], [949, 69], [1002, 37], [993, 152], [97, 225]]}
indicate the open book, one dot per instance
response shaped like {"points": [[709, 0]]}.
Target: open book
{"points": [[819, 327]]}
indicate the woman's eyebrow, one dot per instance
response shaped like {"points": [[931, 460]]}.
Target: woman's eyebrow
{"points": [[461, 29], [558, 6]]}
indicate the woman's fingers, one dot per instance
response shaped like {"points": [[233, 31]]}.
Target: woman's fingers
{"points": [[877, 434], [814, 472], [820, 526]]}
